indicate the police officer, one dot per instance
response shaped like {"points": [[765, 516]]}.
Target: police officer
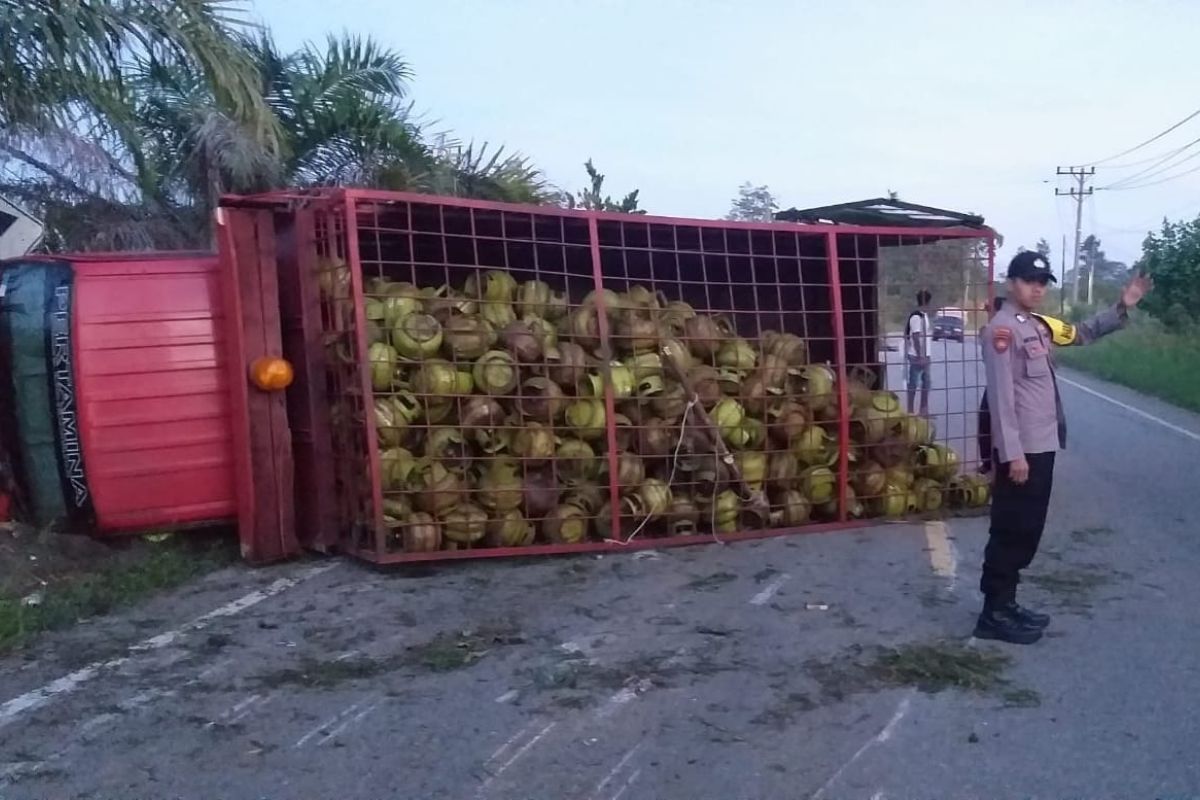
{"points": [[1028, 428]]}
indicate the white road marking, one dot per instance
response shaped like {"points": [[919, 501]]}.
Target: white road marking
{"points": [[508, 696], [1195, 437], [82, 733], [340, 729], [98, 721], [68, 683], [14, 708], [632, 780], [942, 555], [615, 703], [236, 712], [890, 728], [239, 717], [215, 668], [616, 770], [525, 748], [249, 701], [878, 796], [766, 594], [500, 751], [136, 701], [879, 738], [39, 697], [326, 725]]}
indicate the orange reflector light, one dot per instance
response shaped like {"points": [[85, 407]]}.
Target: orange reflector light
{"points": [[271, 373]]}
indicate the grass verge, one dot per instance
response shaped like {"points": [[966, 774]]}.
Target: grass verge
{"points": [[127, 574], [1146, 358], [930, 667], [446, 652], [1075, 587]]}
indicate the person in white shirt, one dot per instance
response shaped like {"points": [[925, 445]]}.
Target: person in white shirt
{"points": [[916, 348]]}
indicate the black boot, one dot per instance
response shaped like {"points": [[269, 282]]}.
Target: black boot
{"points": [[1033, 619], [998, 621]]}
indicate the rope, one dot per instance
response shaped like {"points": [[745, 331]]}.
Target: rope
{"points": [[674, 466]]}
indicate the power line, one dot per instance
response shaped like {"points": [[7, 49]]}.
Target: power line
{"points": [[1157, 168], [1156, 183], [1140, 161], [1151, 140], [1161, 170]]}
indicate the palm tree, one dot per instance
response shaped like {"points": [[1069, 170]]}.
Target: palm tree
{"points": [[69, 145], [345, 119], [136, 152], [52, 50], [341, 111]]}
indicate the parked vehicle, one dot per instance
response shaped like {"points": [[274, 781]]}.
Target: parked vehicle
{"points": [[948, 328]]}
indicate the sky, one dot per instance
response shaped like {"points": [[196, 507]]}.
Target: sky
{"points": [[963, 105]]}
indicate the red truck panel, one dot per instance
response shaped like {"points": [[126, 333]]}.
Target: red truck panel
{"points": [[152, 379]]}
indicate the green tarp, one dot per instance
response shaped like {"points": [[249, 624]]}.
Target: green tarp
{"points": [[35, 324]]}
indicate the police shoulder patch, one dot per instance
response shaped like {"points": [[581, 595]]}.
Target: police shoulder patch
{"points": [[1001, 338]]}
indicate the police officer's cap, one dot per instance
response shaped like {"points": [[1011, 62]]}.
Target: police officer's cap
{"points": [[1030, 266]]}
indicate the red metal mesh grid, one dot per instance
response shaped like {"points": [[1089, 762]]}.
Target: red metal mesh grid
{"points": [[760, 328], [902, 459], [491, 430], [346, 380], [569, 430]]}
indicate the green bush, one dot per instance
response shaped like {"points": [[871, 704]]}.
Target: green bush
{"points": [[1172, 257], [1148, 357]]}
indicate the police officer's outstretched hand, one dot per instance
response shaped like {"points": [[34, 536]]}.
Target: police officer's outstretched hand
{"points": [[1136, 290], [1018, 470]]}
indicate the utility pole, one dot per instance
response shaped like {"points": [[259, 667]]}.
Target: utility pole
{"points": [[1081, 174]]}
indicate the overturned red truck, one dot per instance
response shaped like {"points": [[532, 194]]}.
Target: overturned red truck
{"points": [[405, 377]]}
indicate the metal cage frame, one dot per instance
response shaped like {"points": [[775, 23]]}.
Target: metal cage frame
{"points": [[318, 224]]}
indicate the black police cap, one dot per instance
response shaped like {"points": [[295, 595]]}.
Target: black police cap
{"points": [[1031, 266]]}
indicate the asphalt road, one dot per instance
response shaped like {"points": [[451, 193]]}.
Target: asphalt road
{"points": [[723, 672]]}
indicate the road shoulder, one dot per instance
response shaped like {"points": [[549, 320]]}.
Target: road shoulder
{"points": [[1164, 411]]}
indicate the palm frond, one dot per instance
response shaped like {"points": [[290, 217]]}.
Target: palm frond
{"points": [[354, 65], [472, 171], [141, 112], [47, 47]]}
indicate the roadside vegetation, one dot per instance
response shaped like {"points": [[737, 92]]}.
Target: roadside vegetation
{"points": [[52, 581], [1147, 357], [126, 122], [1159, 354]]}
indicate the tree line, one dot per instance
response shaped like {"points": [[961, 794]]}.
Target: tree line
{"points": [[1171, 255], [122, 122]]}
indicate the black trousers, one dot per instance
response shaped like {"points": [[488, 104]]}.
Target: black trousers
{"points": [[1018, 518]]}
